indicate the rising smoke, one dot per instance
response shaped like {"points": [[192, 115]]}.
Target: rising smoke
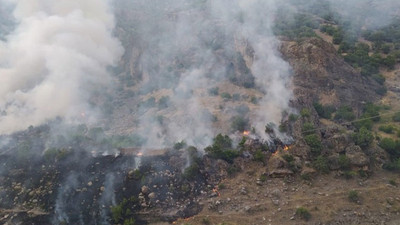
{"points": [[57, 54], [188, 47]]}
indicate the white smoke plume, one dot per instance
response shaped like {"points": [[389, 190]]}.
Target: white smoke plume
{"points": [[57, 54], [200, 38]]}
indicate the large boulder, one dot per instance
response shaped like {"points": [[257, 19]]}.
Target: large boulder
{"points": [[277, 167], [356, 156]]}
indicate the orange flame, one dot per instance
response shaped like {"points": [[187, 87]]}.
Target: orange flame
{"points": [[139, 154], [215, 190], [286, 148], [246, 133]]}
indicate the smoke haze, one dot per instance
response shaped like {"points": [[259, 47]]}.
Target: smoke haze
{"points": [[56, 55]]}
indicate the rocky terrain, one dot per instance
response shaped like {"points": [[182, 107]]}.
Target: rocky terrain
{"points": [[324, 163]]}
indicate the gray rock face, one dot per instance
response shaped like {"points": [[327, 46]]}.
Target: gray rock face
{"points": [[357, 156]]}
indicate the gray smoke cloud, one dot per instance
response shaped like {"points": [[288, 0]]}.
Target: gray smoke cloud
{"points": [[57, 53], [187, 47]]}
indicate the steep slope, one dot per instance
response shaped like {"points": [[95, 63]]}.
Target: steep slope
{"points": [[321, 75]]}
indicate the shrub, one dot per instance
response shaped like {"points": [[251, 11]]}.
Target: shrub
{"points": [[191, 172], [364, 121], [213, 91], [371, 110], [349, 174], [314, 142], [221, 186], [239, 123], [363, 137], [308, 128], [381, 91], [116, 212], [345, 113], [392, 166], [130, 221], [393, 182], [321, 164], [291, 162], [396, 117], [386, 128], [353, 196], [263, 177], [206, 221], [254, 100], [222, 148], [303, 213], [236, 97], [305, 112], [150, 102], [226, 96], [344, 162], [180, 145], [379, 78], [294, 117], [324, 111], [259, 156], [391, 146], [163, 102]]}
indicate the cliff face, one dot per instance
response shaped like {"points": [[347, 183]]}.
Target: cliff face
{"points": [[320, 74]]}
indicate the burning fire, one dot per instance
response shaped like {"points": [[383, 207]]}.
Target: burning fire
{"points": [[246, 133], [215, 190], [286, 148], [139, 154]]}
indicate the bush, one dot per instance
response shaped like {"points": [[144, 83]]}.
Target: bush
{"points": [[391, 146], [291, 162], [387, 128], [206, 221], [213, 91], [259, 156], [393, 182], [222, 148], [363, 137], [236, 97], [130, 221], [308, 128], [344, 162], [163, 102], [226, 96], [396, 117], [379, 78], [239, 123], [353, 196], [254, 100], [349, 174], [321, 164], [324, 111], [294, 117], [191, 172], [180, 145], [392, 166], [305, 112], [303, 213], [381, 91], [314, 142], [345, 113]]}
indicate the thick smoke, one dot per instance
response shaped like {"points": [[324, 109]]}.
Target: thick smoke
{"points": [[57, 54], [188, 47]]}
